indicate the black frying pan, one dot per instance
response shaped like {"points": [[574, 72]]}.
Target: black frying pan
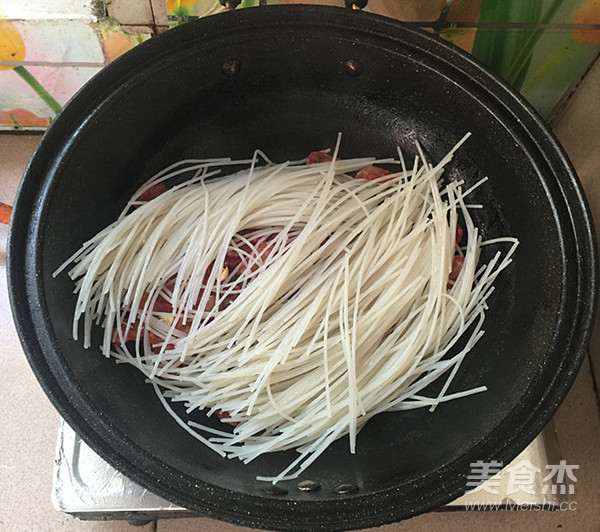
{"points": [[289, 90]]}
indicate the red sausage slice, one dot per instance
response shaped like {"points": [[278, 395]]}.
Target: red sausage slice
{"points": [[372, 172], [457, 264], [153, 192], [318, 157]]}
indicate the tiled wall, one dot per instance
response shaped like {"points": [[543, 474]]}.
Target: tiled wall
{"points": [[49, 49]]}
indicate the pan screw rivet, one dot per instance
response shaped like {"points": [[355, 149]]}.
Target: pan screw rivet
{"points": [[345, 489], [354, 68], [230, 5], [231, 68], [357, 4], [308, 485], [275, 490]]}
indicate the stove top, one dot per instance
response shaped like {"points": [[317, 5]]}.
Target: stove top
{"points": [[85, 486]]}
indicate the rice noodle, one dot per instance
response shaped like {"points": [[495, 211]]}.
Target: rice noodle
{"points": [[348, 316]]}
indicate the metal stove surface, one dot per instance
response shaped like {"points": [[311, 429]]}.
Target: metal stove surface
{"points": [[85, 486]]}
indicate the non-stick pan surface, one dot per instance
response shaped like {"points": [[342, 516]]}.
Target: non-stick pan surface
{"points": [[170, 99]]}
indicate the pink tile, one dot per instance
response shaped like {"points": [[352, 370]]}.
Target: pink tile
{"points": [[578, 129], [159, 11], [134, 12], [29, 423]]}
